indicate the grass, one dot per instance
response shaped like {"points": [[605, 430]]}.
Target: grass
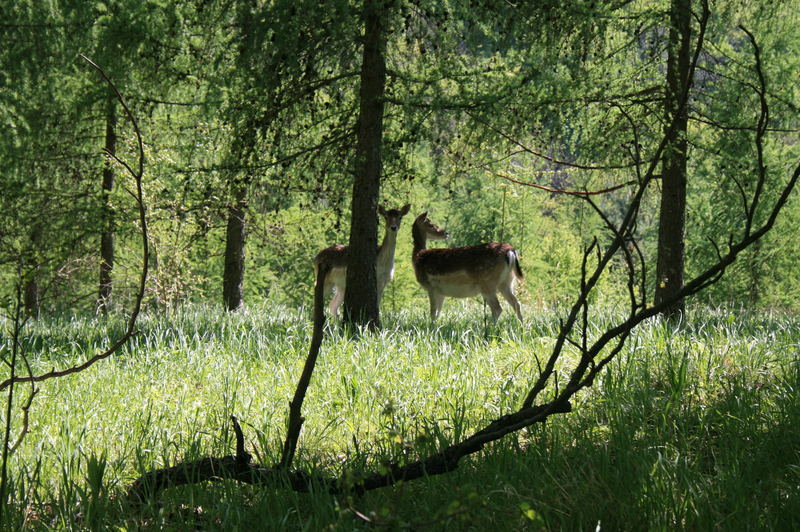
{"points": [[691, 427]]}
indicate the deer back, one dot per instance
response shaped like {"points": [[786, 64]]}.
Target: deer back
{"points": [[473, 260], [336, 256]]}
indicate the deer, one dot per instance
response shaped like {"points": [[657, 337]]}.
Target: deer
{"points": [[467, 271], [336, 258]]}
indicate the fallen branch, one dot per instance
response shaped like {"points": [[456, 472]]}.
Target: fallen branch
{"points": [[239, 467], [235, 467]]}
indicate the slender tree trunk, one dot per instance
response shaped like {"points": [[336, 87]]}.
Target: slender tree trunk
{"points": [[361, 295], [31, 293], [107, 234], [755, 271], [233, 278], [672, 221]]}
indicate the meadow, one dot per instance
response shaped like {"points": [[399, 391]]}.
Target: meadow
{"points": [[693, 426]]}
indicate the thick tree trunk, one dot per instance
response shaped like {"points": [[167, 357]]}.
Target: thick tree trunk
{"points": [[32, 298], [233, 277], [107, 234], [361, 296], [672, 221]]}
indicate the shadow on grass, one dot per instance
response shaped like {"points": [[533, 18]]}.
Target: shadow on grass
{"points": [[633, 457]]}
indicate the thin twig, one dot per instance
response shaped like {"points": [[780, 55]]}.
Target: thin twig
{"points": [[557, 190], [295, 421]]}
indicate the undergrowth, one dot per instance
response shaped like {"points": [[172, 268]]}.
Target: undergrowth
{"points": [[693, 426]]}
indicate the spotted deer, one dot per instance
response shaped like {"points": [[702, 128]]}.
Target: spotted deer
{"points": [[484, 269], [336, 258]]}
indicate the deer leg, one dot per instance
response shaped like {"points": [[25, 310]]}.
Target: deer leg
{"points": [[436, 304], [494, 304], [337, 300], [381, 289], [508, 294]]}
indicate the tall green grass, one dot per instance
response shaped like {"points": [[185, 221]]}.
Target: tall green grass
{"points": [[693, 426]]}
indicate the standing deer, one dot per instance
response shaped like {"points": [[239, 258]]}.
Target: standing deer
{"points": [[336, 258], [484, 269]]}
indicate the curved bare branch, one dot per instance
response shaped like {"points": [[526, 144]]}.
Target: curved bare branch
{"points": [[130, 329]]}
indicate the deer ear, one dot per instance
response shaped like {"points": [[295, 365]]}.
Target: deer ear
{"points": [[381, 210], [405, 209]]}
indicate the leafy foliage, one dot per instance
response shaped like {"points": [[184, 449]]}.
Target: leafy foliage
{"points": [[546, 93]]}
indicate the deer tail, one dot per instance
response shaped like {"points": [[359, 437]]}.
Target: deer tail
{"points": [[513, 261]]}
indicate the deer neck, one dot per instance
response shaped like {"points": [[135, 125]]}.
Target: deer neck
{"points": [[420, 240], [387, 247]]}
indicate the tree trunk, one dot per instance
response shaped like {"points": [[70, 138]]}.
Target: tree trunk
{"points": [[32, 294], [361, 295], [755, 273], [672, 220], [107, 234], [32, 298], [233, 278]]}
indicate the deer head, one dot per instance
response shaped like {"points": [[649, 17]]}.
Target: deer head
{"points": [[392, 217]]}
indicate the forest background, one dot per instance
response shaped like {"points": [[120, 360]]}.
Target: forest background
{"points": [[248, 112]]}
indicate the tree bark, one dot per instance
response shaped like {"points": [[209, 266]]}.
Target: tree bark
{"points": [[361, 296], [233, 277], [672, 219], [756, 274], [107, 234], [32, 293], [32, 298]]}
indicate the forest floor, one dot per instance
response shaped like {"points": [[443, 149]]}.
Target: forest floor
{"points": [[692, 426]]}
